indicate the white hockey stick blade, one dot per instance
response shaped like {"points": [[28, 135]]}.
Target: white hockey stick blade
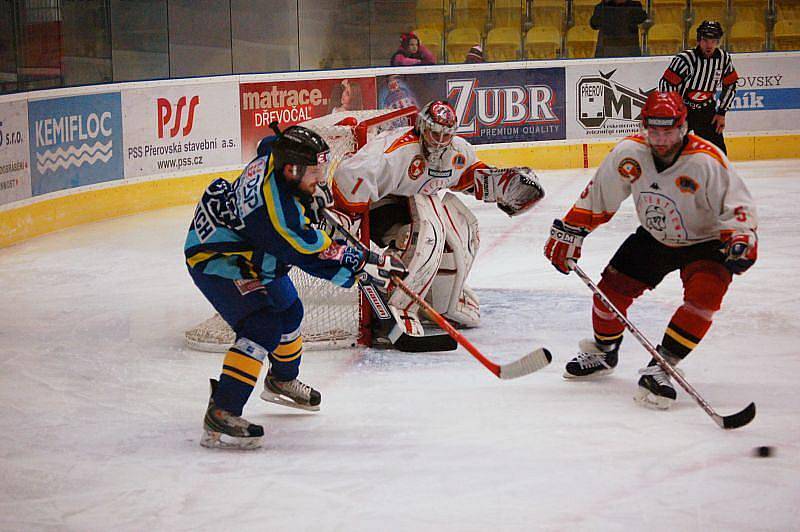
{"points": [[533, 361]]}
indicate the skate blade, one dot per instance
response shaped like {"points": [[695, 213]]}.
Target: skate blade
{"points": [[596, 375], [278, 399], [648, 399], [218, 440]]}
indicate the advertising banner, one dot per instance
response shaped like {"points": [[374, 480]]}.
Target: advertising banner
{"points": [[74, 141], [15, 174], [176, 128], [492, 105], [767, 94], [292, 102], [606, 98]]}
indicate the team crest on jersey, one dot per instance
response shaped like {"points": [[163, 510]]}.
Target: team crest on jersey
{"points": [[417, 167], [686, 184], [459, 161], [659, 214], [630, 169]]}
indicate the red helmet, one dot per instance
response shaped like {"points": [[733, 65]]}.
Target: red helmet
{"points": [[664, 109], [436, 124]]}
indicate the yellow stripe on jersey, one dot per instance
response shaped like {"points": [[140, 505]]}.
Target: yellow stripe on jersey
{"points": [[290, 351], [239, 377], [608, 338], [680, 338], [202, 256], [276, 215]]}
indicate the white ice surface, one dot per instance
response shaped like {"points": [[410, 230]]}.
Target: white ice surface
{"points": [[102, 405]]}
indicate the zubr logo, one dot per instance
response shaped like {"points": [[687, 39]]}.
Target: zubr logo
{"points": [[509, 105], [172, 117], [600, 98]]}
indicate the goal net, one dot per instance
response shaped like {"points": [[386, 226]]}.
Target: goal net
{"points": [[334, 316]]}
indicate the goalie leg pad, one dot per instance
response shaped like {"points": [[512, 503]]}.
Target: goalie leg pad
{"points": [[420, 245], [449, 294]]}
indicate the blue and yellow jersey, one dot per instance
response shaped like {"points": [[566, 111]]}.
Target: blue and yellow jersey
{"points": [[256, 228]]}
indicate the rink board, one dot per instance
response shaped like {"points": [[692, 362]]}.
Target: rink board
{"points": [[77, 155]]}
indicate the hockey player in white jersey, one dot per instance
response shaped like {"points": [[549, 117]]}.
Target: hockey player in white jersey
{"points": [[696, 216], [396, 177]]}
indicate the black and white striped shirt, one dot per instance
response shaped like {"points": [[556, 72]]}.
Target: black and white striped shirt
{"points": [[696, 78]]}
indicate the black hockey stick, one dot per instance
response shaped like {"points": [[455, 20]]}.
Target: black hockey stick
{"points": [[733, 421], [529, 363]]}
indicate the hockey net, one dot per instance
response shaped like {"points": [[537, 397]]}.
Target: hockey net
{"points": [[334, 316]]}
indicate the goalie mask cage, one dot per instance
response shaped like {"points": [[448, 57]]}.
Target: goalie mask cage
{"points": [[334, 316]]}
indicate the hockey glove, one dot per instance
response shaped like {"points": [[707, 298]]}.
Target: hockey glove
{"points": [[518, 190], [322, 199], [740, 251], [381, 268], [564, 243]]}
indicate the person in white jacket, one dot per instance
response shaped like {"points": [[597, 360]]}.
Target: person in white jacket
{"points": [[696, 216], [396, 178]]}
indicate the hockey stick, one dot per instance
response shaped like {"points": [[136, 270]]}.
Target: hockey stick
{"points": [[732, 421], [529, 363]]}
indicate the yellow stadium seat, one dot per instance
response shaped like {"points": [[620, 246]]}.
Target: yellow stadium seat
{"points": [[471, 14], [668, 11], [664, 39], [459, 41], [750, 10], [747, 36], [508, 13], [430, 14], [502, 44], [709, 10], [432, 40], [581, 42], [582, 11], [787, 34], [788, 9], [543, 42], [549, 13]]}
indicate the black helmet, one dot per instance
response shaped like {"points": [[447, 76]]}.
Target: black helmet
{"points": [[709, 29], [299, 145]]}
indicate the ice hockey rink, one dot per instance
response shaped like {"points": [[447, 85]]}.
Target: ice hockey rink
{"points": [[102, 404]]}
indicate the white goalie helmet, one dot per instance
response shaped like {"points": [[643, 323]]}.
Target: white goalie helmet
{"points": [[436, 123]]}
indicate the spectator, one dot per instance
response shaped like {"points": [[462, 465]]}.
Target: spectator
{"points": [[345, 96], [412, 52], [618, 22], [475, 55]]}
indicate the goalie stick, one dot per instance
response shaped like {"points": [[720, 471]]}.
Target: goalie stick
{"points": [[732, 421], [533, 361]]}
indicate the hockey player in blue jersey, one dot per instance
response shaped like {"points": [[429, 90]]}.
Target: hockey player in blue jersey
{"points": [[242, 241]]}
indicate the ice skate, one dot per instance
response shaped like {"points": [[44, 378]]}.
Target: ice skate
{"points": [[291, 393], [655, 387], [591, 361], [223, 430]]}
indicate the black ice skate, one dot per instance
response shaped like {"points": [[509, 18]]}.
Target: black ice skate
{"points": [[591, 361], [291, 393], [223, 430], [655, 386]]}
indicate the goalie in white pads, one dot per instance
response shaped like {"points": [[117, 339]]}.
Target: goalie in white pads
{"points": [[697, 217], [396, 177]]}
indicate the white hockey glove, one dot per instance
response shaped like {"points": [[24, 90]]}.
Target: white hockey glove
{"points": [[515, 189], [564, 243], [380, 269], [322, 199]]}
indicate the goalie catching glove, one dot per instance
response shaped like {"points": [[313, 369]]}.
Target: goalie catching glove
{"points": [[564, 244], [515, 189], [740, 251]]}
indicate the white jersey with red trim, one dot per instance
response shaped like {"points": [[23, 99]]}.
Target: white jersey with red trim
{"points": [[392, 163], [697, 199]]}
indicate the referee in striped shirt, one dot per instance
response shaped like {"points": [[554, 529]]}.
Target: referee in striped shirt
{"points": [[696, 74]]}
